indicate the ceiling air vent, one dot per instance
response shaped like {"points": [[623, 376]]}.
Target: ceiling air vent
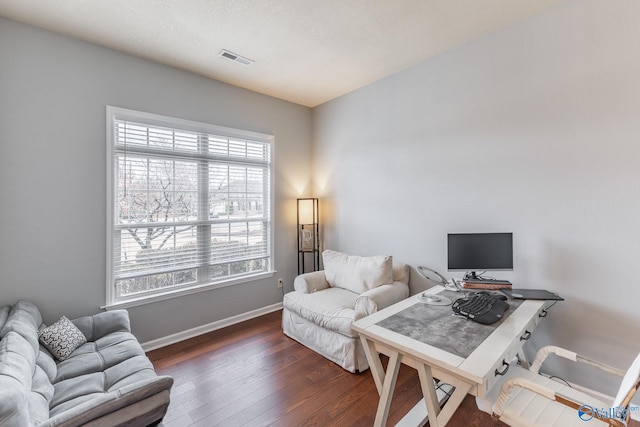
{"points": [[237, 58]]}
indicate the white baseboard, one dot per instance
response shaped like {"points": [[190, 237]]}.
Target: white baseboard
{"points": [[209, 327]]}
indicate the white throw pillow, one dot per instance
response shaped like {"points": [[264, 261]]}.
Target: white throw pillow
{"points": [[61, 338], [355, 273]]}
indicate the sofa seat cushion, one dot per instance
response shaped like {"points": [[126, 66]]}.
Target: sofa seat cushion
{"points": [[332, 308], [81, 388], [98, 355], [99, 367]]}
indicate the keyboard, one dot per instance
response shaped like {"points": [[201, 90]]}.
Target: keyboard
{"points": [[481, 307]]}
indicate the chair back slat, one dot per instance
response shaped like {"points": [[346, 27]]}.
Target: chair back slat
{"points": [[629, 385]]}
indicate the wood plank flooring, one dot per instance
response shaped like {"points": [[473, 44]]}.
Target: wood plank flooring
{"points": [[251, 374]]}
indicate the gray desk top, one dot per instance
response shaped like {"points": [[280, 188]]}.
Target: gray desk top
{"points": [[437, 326]]}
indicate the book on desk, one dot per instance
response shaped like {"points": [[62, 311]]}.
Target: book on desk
{"points": [[486, 284]]}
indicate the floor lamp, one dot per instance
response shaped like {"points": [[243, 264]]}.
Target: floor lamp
{"points": [[308, 241]]}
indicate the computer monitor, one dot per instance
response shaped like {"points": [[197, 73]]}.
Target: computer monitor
{"points": [[473, 252]]}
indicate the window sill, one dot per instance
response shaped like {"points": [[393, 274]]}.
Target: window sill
{"points": [[176, 293]]}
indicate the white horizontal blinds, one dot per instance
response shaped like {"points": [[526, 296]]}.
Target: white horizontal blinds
{"points": [[242, 236], [190, 207]]}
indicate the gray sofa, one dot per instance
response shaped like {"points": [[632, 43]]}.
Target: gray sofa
{"points": [[107, 381]]}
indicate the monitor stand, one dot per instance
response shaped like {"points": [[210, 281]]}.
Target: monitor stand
{"points": [[471, 275]]}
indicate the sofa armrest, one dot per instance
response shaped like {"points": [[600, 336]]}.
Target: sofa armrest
{"points": [[111, 402], [381, 297], [101, 324], [311, 282]]}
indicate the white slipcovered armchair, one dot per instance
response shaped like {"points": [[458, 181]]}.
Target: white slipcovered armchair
{"points": [[324, 304]]}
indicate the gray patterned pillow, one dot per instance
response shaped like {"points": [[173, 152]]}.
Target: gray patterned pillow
{"points": [[62, 338]]}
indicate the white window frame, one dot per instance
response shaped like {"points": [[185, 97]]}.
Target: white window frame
{"points": [[116, 113]]}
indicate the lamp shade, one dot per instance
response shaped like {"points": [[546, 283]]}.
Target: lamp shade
{"points": [[306, 214], [308, 233]]}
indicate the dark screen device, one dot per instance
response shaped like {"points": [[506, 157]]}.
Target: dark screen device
{"points": [[540, 294], [473, 252]]}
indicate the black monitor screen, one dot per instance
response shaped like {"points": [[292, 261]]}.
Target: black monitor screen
{"points": [[480, 251]]}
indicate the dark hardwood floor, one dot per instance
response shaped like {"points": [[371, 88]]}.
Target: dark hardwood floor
{"points": [[252, 374]]}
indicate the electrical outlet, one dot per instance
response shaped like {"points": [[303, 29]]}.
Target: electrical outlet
{"points": [[280, 283]]}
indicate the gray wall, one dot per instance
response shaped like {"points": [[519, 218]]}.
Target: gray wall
{"points": [[53, 93], [534, 129]]}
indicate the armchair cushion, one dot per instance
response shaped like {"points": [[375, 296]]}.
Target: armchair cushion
{"points": [[331, 309], [355, 273]]}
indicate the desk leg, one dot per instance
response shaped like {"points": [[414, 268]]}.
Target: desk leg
{"points": [[429, 393], [436, 416], [373, 357], [387, 389], [453, 403]]}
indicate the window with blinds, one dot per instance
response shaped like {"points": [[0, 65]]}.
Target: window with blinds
{"points": [[190, 203]]}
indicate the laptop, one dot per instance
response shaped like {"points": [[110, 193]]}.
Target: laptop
{"points": [[539, 294]]}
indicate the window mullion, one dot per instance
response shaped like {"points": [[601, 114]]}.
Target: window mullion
{"points": [[204, 231], [172, 197]]}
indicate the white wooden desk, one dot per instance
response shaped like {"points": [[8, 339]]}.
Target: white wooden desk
{"points": [[474, 374]]}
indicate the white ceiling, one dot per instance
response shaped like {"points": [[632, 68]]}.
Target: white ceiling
{"points": [[305, 51]]}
